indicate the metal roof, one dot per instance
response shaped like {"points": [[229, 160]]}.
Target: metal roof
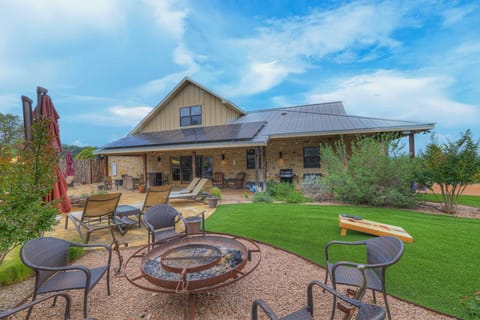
{"points": [[229, 132], [322, 119]]}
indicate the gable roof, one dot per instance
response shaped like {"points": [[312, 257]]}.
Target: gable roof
{"points": [[179, 87]]}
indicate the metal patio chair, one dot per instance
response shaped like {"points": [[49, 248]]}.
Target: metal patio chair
{"points": [[381, 252], [48, 258], [348, 306], [96, 215], [218, 179]]}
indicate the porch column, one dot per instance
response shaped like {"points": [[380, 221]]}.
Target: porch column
{"points": [[257, 165], [264, 151], [105, 166], [194, 164], [411, 142], [145, 168]]}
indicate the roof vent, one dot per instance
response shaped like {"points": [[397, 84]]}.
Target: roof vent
{"points": [[284, 113]]}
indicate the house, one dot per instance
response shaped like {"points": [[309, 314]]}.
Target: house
{"points": [[194, 132]]}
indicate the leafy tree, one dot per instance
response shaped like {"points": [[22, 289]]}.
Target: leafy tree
{"points": [[24, 181], [11, 129], [375, 172], [453, 166], [86, 153]]}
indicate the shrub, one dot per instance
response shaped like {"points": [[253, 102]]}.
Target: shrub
{"points": [[295, 197], [374, 172], [315, 188], [272, 188], [262, 197]]}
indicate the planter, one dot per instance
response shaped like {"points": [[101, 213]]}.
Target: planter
{"points": [[192, 224], [141, 188], [212, 202]]}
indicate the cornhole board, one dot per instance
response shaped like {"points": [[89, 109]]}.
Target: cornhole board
{"points": [[372, 227]]}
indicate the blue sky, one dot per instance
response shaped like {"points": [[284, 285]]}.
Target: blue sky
{"points": [[108, 63]]}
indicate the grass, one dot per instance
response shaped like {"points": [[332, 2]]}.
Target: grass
{"points": [[439, 267], [472, 201]]}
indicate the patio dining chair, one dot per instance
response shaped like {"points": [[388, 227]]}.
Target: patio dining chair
{"points": [[160, 221], [48, 257], [349, 306], [96, 215], [381, 252], [238, 182], [218, 179]]}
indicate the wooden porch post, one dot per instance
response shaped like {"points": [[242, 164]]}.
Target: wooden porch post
{"points": [[257, 165], [411, 141], [264, 151], [145, 168], [105, 166], [194, 164]]}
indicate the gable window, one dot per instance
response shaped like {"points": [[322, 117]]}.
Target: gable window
{"points": [[190, 116], [311, 157], [251, 158]]}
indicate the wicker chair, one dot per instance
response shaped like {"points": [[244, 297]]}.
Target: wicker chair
{"points": [[237, 182], [381, 252], [160, 221], [365, 311], [68, 302], [48, 258], [218, 179], [96, 214]]}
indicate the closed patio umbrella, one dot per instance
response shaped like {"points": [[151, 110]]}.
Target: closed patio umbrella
{"points": [[69, 164], [46, 109]]}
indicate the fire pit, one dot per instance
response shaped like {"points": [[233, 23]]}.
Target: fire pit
{"points": [[192, 264]]}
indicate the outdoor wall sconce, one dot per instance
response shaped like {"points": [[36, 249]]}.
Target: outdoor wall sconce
{"points": [[280, 154], [159, 159], [223, 156]]}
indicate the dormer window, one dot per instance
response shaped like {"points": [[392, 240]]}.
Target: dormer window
{"points": [[190, 116]]}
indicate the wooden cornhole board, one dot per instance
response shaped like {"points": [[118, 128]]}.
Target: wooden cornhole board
{"points": [[372, 227]]}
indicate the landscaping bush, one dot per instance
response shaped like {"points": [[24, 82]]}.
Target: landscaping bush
{"points": [[374, 172], [272, 188], [315, 188], [262, 197], [295, 197]]}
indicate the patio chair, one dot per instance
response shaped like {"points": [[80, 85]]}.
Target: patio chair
{"points": [[108, 183], [48, 258], [349, 305], [160, 221], [156, 195], [69, 180], [68, 302], [96, 214], [237, 182], [188, 188], [193, 195], [218, 179], [381, 252]]}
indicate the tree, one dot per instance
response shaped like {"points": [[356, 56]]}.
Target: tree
{"points": [[452, 166], [10, 129], [374, 172], [24, 181], [86, 153]]}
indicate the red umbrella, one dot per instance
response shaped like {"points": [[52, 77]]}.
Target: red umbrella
{"points": [[46, 109], [69, 167]]}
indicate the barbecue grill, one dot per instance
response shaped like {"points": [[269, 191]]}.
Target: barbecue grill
{"points": [[286, 175]]}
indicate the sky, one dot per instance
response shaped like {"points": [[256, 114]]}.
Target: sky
{"points": [[107, 63]]}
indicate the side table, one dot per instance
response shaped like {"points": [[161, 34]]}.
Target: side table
{"points": [[122, 218]]}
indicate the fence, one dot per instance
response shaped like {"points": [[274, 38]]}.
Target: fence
{"points": [[86, 171]]}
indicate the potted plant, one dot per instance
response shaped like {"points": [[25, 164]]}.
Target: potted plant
{"points": [[214, 195]]}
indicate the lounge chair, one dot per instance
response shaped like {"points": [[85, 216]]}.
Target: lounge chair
{"points": [[188, 188], [156, 195], [96, 215], [191, 195]]}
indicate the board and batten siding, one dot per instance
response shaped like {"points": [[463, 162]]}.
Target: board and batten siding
{"points": [[214, 112]]}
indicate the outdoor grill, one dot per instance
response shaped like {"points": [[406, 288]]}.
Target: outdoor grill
{"points": [[286, 175], [192, 264]]}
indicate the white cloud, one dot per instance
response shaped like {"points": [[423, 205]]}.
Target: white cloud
{"points": [[453, 15], [161, 85], [169, 16], [397, 95], [116, 116], [294, 44]]}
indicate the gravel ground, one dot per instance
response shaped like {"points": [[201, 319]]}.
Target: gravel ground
{"points": [[280, 279]]}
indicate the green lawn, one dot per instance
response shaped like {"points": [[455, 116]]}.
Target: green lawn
{"points": [[436, 269], [472, 201]]}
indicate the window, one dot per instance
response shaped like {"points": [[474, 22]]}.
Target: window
{"points": [[204, 166], [190, 116], [311, 157], [251, 159]]}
